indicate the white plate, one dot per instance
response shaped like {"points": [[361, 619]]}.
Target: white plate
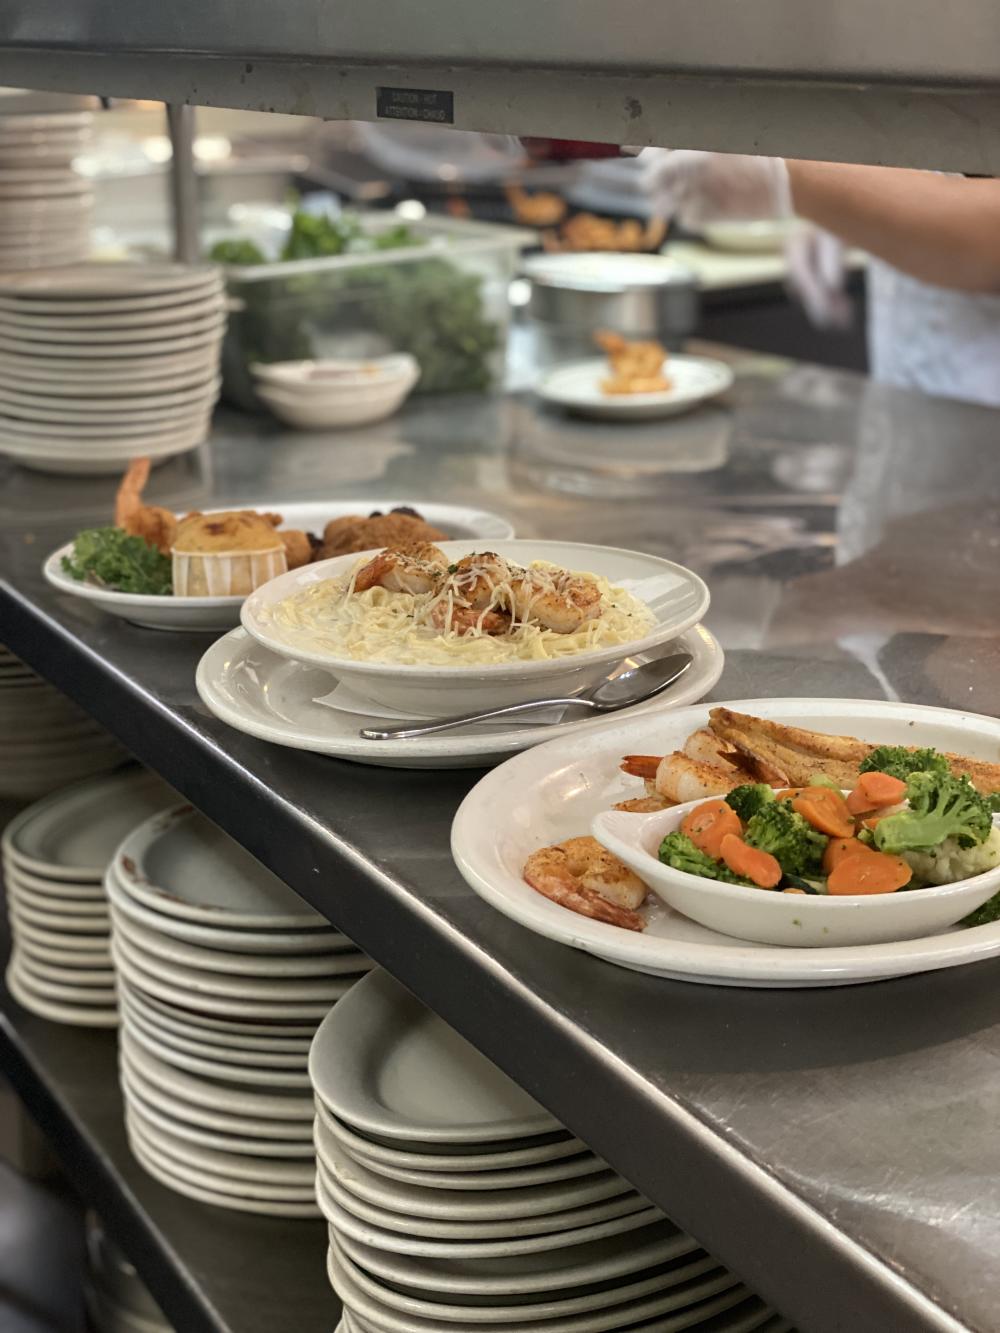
{"points": [[264, 695], [90, 891], [577, 388], [644, 1316], [590, 1314], [77, 1015], [87, 978], [555, 790], [429, 1087], [219, 1140], [102, 374], [215, 613], [758, 236], [275, 942], [118, 435], [128, 414], [247, 1190], [529, 1277], [266, 1170], [112, 280], [432, 1177], [45, 322], [212, 1094], [187, 1035], [675, 596], [556, 1226], [201, 984], [72, 834], [211, 1067], [67, 397], [38, 338], [288, 1019], [67, 959], [194, 1191], [90, 949], [63, 993], [475, 1206], [178, 863], [270, 1131], [258, 967], [112, 305], [209, 340]]}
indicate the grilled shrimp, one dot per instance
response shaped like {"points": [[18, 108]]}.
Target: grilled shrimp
{"points": [[585, 877], [156, 526], [679, 778], [414, 569], [445, 615], [475, 579]]}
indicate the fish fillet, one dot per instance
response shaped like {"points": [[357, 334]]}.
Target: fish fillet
{"points": [[797, 754]]}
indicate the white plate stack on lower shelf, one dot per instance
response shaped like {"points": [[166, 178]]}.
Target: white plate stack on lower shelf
{"points": [[45, 205], [103, 362], [54, 857], [456, 1202], [45, 740], [224, 974]]}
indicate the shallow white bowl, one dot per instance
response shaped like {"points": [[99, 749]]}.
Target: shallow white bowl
{"points": [[677, 597], [357, 396], [785, 918]]}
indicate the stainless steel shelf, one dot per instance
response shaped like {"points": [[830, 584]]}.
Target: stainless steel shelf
{"points": [[821, 1142], [897, 82]]}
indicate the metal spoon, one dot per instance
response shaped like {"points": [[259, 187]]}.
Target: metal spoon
{"points": [[620, 689]]}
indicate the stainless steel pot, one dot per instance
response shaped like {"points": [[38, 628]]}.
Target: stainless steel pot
{"points": [[639, 296]]}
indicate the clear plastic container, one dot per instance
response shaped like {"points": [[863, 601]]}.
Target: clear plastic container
{"points": [[443, 300]]}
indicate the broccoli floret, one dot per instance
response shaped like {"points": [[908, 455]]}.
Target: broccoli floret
{"points": [[750, 798], [940, 807], [982, 916], [792, 841], [993, 801], [900, 762], [679, 852]]}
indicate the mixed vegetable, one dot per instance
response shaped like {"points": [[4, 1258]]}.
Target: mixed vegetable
{"points": [[908, 823], [429, 307]]}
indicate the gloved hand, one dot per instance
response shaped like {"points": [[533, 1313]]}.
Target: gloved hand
{"points": [[817, 274], [698, 187]]}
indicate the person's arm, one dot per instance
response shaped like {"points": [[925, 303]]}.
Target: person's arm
{"points": [[944, 230]]}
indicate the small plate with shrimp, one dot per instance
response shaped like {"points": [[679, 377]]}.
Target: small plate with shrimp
{"points": [[439, 628], [567, 839], [143, 546]]}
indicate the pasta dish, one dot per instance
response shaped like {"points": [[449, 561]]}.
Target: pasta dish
{"points": [[408, 605]]}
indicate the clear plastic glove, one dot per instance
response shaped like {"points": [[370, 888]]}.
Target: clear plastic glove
{"points": [[698, 187], [817, 275]]}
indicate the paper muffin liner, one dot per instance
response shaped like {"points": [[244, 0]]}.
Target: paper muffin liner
{"points": [[225, 573]]}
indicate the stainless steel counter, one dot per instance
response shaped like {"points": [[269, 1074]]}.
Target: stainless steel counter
{"points": [[836, 1147]]}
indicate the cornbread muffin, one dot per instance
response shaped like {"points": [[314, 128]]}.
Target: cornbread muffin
{"points": [[225, 554]]}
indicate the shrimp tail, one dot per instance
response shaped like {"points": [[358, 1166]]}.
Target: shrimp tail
{"points": [[641, 765], [584, 901]]}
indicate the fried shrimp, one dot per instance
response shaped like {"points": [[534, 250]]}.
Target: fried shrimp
{"points": [[585, 877], [418, 568], [156, 526], [679, 778]]}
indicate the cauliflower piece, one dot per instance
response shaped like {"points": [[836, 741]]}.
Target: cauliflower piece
{"points": [[950, 861]]}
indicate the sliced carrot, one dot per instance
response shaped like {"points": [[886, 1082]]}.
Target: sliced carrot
{"points": [[787, 793], [869, 872], [838, 849], [707, 824], [880, 790], [750, 862], [858, 803], [869, 821], [826, 810]]}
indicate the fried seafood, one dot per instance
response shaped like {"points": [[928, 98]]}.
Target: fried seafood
{"points": [[354, 532], [636, 367], [156, 526], [585, 877]]}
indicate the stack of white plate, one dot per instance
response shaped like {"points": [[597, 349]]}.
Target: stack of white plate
{"points": [[54, 857], [45, 207], [100, 363], [455, 1201], [45, 741], [224, 974]]}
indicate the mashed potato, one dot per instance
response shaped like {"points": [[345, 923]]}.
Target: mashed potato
{"points": [[950, 862]]}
